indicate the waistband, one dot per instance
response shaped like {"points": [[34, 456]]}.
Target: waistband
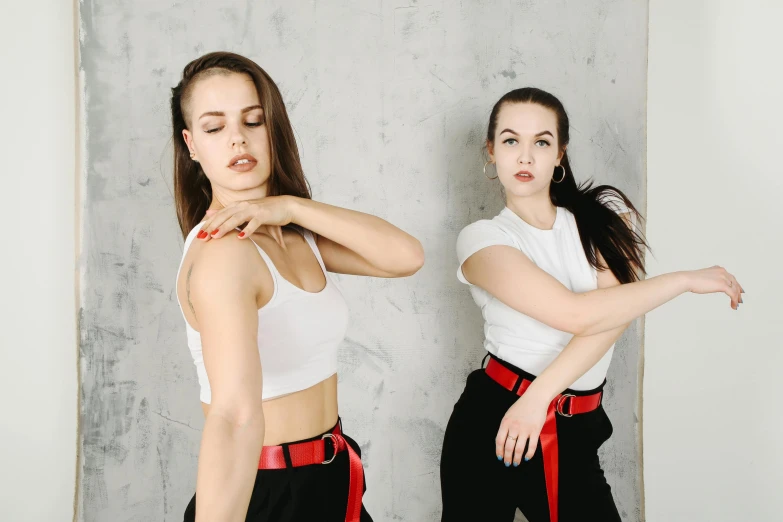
{"points": [[316, 451], [530, 377]]}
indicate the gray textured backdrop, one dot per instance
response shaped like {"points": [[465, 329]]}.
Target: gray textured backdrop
{"points": [[389, 101]]}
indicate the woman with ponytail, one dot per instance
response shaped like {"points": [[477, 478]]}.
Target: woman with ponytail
{"points": [[263, 316], [557, 277]]}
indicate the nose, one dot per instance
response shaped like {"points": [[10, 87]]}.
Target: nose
{"points": [[525, 157], [237, 136]]}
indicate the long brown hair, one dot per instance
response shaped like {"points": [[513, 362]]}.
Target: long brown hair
{"points": [[600, 227], [192, 190]]}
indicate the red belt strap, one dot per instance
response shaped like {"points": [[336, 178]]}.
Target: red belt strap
{"points": [[565, 404], [314, 452]]}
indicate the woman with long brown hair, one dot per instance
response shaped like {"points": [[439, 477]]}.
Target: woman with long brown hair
{"points": [[556, 275], [263, 315]]}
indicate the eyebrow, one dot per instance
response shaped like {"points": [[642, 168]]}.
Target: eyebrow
{"points": [[220, 113], [542, 133]]}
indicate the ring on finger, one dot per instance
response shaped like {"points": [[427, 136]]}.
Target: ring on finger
{"points": [[512, 438]]}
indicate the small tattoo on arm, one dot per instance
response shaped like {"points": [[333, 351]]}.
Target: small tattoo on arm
{"points": [[187, 289]]}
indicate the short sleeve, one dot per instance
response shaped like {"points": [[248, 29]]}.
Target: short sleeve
{"points": [[477, 236]]}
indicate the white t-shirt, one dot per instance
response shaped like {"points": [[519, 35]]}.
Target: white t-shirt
{"points": [[513, 336]]}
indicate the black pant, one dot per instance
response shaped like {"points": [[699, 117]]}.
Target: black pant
{"points": [[476, 486], [317, 492]]}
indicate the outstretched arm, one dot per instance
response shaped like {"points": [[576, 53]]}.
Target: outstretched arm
{"points": [[510, 276]]}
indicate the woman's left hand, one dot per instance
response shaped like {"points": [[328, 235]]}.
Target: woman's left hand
{"points": [[523, 422], [272, 210]]}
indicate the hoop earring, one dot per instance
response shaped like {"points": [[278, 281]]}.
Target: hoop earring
{"points": [[485, 172], [561, 177]]}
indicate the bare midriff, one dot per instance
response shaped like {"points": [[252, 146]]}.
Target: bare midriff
{"points": [[300, 415]]}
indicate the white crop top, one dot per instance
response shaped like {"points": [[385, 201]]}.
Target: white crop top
{"points": [[513, 336], [298, 332]]}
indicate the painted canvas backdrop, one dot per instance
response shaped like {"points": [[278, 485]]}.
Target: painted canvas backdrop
{"points": [[389, 100]]}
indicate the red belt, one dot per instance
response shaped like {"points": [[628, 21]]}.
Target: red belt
{"points": [[565, 404], [314, 452]]}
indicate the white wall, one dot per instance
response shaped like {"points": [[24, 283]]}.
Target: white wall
{"points": [[712, 387], [38, 343]]}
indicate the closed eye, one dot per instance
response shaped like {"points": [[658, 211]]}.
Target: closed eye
{"points": [[249, 124]]}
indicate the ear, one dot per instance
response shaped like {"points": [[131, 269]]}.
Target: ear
{"points": [[188, 137], [491, 151], [560, 156]]}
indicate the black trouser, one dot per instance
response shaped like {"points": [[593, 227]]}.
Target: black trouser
{"points": [[308, 493], [476, 486]]}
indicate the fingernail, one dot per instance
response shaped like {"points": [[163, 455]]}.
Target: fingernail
{"points": [[516, 464], [241, 234], [500, 457], [215, 231], [526, 459], [201, 235], [508, 464]]}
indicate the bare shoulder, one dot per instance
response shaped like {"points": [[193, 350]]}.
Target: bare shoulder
{"points": [[224, 268], [228, 261], [228, 251]]}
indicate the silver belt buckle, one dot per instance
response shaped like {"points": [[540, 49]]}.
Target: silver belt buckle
{"points": [[559, 405], [334, 443]]}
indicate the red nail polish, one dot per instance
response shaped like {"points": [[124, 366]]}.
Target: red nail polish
{"points": [[241, 234], [201, 235], [215, 231]]}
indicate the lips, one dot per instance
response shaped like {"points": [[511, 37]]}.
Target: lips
{"points": [[242, 163], [524, 175]]}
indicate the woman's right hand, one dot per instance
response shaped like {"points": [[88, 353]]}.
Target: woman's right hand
{"points": [[713, 280]]}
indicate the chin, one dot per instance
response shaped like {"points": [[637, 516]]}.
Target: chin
{"points": [[246, 180], [522, 191]]}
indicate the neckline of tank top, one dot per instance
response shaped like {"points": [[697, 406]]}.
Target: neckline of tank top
{"points": [[558, 224], [298, 288]]}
